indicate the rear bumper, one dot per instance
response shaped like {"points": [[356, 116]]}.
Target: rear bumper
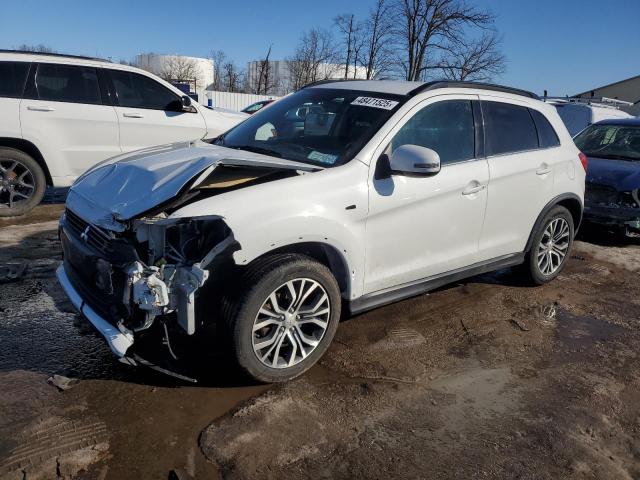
{"points": [[118, 341]]}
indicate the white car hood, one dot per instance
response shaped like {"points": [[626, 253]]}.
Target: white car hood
{"points": [[220, 120], [129, 185]]}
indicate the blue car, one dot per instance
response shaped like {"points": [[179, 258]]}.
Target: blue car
{"points": [[612, 196]]}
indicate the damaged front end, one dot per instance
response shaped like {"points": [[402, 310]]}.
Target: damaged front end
{"points": [[124, 282], [606, 206], [129, 265], [179, 254]]}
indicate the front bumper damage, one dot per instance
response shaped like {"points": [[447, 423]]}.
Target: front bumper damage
{"points": [[118, 338], [124, 284], [609, 207], [614, 216]]}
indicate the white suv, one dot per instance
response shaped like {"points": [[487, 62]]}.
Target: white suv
{"points": [[60, 115], [344, 195]]}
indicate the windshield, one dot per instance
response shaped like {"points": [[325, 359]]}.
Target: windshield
{"points": [[610, 141], [319, 126]]}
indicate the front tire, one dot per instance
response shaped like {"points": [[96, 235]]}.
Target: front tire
{"points": [[281, 316], [22, 183], [550, 248]]}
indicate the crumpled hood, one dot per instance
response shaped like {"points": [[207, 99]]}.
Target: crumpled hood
{"points": [[621, 175], [128, 185]]}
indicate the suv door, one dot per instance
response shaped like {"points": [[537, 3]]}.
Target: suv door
{"points": [[423, 226], [151, 114], [521, 176], [63, 114]]}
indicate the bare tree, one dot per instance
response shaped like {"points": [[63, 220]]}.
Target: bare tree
{"points": [[40, 48], [231, 78], [478, 59], [351, 42], [313, 58], [219, 58], [377, 56], [262, 81], [427, 28], [179, 69]]}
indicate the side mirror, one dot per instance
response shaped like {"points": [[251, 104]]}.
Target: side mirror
{"points": [[414, 160], [186, 104]]}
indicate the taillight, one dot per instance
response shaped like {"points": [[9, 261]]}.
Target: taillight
{"points": [[583, 160]]}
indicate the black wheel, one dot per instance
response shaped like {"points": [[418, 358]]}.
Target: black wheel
{"points": [[282, 315], [22, 182], [550, 248]]}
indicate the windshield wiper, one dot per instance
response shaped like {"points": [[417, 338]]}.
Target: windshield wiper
{"points": [[263, 151]]}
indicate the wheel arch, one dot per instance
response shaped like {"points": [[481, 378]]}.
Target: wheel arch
{"points": [[324, 253], [570, 201], [31, 150]]}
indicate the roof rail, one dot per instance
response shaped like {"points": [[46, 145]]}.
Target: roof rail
{"points": [[597, 101], [331, 80], [479, 85], [440, 84], [61, 55]]}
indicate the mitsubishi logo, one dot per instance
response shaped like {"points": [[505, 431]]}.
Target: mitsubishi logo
{"points": [[85, 235]]}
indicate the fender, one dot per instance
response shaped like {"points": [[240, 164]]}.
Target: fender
{"points": [[554, 201], [345, 242]]}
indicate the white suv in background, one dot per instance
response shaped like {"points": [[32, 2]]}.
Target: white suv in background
{"points": [[344, 194], [60, 115], [578, 113]]}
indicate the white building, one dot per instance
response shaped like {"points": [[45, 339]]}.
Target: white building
{"points": [[193, 73], [280, 75]]}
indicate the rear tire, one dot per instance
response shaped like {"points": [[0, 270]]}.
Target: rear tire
{"points": [[550, 248], [22, 182], [281, 316]]}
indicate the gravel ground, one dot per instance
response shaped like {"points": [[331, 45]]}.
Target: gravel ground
{"points": [[483, 379]]}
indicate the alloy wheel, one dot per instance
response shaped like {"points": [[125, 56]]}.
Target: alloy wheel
{"points": [[17, 183], [553, 246], [291, 323]]}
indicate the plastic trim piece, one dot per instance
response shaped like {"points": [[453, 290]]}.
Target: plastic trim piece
{"points": [[118, 341], [385, 297]]}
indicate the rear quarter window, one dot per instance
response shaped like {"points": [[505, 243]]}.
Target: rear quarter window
{"points": [[12, 78], [547, 136], [508, 128]]}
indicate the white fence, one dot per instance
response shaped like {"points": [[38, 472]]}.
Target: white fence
{"points": [[234, 101]]}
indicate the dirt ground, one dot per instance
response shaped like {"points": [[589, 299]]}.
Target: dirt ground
{"points": [[482, 379]]}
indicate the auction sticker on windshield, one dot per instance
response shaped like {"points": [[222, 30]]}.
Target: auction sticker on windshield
{"points": [[375, 102], [322, 157]]}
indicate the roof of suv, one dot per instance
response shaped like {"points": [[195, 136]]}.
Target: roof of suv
{"points": [[55, 55], [412, 88]]}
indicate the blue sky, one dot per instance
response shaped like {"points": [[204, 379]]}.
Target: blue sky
{"points": [[564, 46]]}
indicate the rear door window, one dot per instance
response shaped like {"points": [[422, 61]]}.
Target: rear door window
{"points": [[67, 83], [446, 127], [508, 128], [12, 78], [547, 136], [138, 91]]}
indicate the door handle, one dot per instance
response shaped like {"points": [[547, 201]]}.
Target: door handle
{"points": [[40, 109], [473, 188], [133, 115], [543, 169]]}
